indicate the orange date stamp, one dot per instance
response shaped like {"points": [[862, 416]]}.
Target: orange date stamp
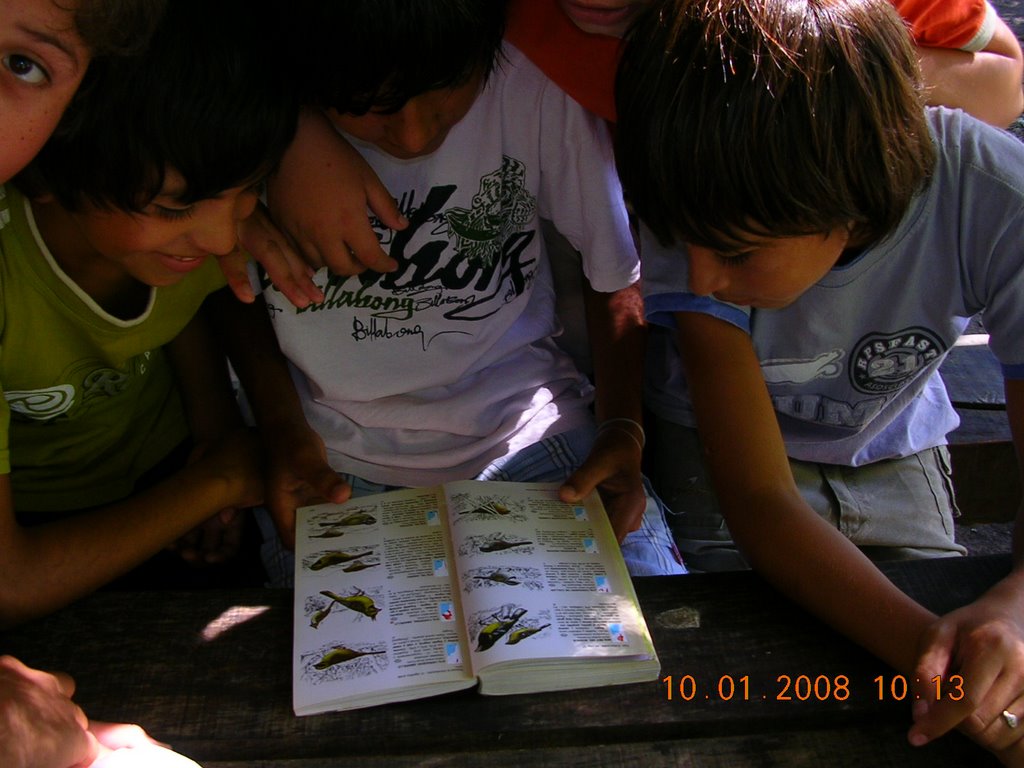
{"points": [[811, 688]]}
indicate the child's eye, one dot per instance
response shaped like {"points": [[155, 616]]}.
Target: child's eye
{"points": [[172, 214], [734, 259], [26, 70]]}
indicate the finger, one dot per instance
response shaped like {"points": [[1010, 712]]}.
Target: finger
{"points": [[380, 201], [974, 687], [329, 486], [235, 269], [90, 750], [228, 541], [291, 274], [122, 735], [626, 512], [1006, 727], [65, 682], [285, 268], [229, 515], [934, 661], [344, 260], [309, 250], [188, 546], [366, 249], [581, 483]]}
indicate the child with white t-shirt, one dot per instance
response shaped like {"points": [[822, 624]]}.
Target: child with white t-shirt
{"points": [[446, 367]]}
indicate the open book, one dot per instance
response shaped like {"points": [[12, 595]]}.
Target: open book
{"points": [[422, 591]]}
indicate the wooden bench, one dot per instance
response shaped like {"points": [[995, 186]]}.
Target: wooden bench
{"points": [[985, 473]]}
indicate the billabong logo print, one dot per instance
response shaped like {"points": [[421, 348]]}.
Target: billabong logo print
{"points": [[41, 404], [885, 362], [500, 207]]}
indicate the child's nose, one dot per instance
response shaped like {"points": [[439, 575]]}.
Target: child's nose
{"points": [[707, 273], [217, 234], [413, 128]]}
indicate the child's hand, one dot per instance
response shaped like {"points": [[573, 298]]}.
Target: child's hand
{"points": [[298, 475], [269, 246], [982, 643], [215, 541], [39, 723], [613, 467], [320, 165]]}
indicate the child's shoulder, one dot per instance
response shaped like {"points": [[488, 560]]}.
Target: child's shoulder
{"points": [[965, 144]]}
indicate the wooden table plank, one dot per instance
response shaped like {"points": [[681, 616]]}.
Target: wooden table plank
{"points": [[210, 673]]}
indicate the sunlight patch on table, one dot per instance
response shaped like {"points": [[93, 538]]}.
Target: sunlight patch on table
{"points": [[231, 618]]}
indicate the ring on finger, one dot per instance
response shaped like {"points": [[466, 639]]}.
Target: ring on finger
{"points": [[1010, 719]]}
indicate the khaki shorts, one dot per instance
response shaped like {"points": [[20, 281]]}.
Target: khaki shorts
{"points": [[893, 510]]}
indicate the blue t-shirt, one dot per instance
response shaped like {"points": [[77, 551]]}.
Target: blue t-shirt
{"points": [[852, 365]]}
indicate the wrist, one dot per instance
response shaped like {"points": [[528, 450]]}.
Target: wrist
{"points": [[634, 429]]}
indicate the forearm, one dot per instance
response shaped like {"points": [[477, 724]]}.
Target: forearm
{"points": [[200, 369], [618, 337], [251, 344], [987, 84], [1014, 389], [45, 567], [807, 559], [815, 565]]}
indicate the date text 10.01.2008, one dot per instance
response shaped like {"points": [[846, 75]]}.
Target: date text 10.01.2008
{"points": [[811, 688]]}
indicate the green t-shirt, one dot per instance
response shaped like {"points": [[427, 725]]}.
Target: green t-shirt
{"points": [[89, 400]]}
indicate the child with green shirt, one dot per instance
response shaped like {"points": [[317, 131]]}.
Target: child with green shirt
{"points": [[104, 246]]}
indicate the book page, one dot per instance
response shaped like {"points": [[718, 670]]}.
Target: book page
{"points": [[374, 608], [540, 578]]}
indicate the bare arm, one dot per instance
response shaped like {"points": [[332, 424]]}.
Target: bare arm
{"points": [[986, 84], [984, 643], [617, 334], [297, 471], [781, 536], [200, 369], [45, 567]]}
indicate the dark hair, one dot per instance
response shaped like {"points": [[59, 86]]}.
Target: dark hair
{"points": [[205, 98], [116, 27], [770, 118], [363, 54]]}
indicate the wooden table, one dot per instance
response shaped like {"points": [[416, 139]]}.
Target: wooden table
{"points": [[210, 673]]}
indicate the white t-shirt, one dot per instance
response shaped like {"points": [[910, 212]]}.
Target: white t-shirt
{"points": [[429, 373]]}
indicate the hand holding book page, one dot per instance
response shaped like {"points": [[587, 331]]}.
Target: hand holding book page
{"points": [[422, 591]]}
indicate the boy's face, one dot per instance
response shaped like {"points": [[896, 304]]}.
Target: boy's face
{"points": [[168, 239], [42, 61], [420, 127], [602, 17], [769, 274]]}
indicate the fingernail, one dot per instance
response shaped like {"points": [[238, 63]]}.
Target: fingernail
{"points": [[918, 739]]}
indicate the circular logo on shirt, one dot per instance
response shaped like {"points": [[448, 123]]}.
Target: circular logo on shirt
{"points": [[885, 362]]}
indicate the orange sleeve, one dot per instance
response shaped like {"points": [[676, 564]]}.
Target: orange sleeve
{"points": [[963, 24], [581, 64]]}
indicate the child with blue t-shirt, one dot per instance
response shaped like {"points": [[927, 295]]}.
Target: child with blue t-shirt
{"points": [[109, 378], [814, 242], [446, 367]]}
